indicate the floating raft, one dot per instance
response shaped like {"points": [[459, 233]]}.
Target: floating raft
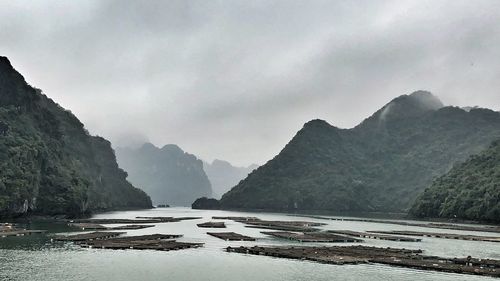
{"points": [[330, 255], [375, 235], [157, 242], [138, 220], [19, 232], [114, 221], [93, 226], [253, 222], [298, 226], [389, 256], [169, 245], [212, 225], [495, 229], [312, 237], [284, 228], [87, 236], [109, 240], [238, 219], [231, 236], [170, 219], [285, 223], [442, 235]]}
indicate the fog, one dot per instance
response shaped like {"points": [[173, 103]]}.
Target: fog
{"points": [[235, 80]]}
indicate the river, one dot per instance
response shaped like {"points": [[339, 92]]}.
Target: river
{"points": [[35, 257]]}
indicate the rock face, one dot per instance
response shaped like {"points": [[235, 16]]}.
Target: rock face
{"points": [[470, 190], [223, 176], [205, 203], [49, 164], [168, 175], [380, 165]]}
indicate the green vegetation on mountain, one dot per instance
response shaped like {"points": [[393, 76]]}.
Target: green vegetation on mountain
{"points": [[380, 165], [205, 203], [470, 190], [49, 164], [167, 174]]}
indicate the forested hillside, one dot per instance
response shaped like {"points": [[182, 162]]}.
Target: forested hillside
{"points": [[49, 164], [470, 191], [382, 164]]}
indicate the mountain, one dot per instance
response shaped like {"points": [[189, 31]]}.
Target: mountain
{"points": [[167, 174], [470, 190], [49, 164], [223, 175], [382, 164]]}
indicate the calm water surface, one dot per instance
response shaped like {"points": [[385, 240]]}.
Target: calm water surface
{"points": [[36, 258]]}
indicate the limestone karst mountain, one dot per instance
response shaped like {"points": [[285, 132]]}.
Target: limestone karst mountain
{"points": [[168, 174], [49, 163], [224, 176], [469, 191], [382, 164]]}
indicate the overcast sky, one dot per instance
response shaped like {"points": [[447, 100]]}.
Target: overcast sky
{"points": [[235, 80]]}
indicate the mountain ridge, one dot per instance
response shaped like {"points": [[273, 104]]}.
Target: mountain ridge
{"points": [[379, 165], [223, 175], [49, 163], [170, 175]]}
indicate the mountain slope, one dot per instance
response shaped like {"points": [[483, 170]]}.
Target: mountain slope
{"points": [[380, 165], [223, 175], [471, 190], [168, 175], [49, 164]]}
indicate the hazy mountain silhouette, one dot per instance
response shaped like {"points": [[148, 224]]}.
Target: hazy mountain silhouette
{"points": [[223, 175], [168, 174]]}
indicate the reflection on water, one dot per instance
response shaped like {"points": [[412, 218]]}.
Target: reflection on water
{"points": [[35, 257]]}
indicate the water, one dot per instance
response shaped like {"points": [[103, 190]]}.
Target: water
{"points": [[36, 258]]}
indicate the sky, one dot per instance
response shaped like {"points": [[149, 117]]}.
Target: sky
{"points": [[235, 80]]}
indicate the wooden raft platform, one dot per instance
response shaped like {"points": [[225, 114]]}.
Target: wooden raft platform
{"points": [[298, 226], [231, 236], [109, 240], [254, 222], [494, 229], [285, 228], [93, 226], [170, 219], [375, 235], [157, 242], [442, 235], [330, 255], [114, 221], [212, 225], [239, 219], [312, 237], [19, 232], [87, 236], [388, 256]]}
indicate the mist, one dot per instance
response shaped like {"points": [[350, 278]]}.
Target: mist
{"points": [[235, 80]]}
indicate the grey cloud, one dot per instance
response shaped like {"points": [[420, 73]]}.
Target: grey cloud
{"points": [[236, 79]]}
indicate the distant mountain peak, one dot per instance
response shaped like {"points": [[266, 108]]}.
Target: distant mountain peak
{"points": [[414, 104], [317, 123], [172, 148], [418, 100], [427, 100], [4, 61], [148, 145], [167, 174]]}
